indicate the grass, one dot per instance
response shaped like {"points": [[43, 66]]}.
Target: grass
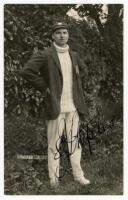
{"points": [[30, 176]]}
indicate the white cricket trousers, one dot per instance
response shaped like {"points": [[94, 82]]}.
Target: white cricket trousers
{"points": [[55, 129]]}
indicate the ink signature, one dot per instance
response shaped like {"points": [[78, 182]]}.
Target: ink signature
{"points": [[85, 133]]}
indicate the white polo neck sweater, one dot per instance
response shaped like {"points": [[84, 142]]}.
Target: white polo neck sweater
{"points": [[66, 103]]}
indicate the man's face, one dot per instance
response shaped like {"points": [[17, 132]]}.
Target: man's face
{"points": [[60, 37]]}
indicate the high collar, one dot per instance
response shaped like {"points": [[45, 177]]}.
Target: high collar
{"points": [[61, 49]]}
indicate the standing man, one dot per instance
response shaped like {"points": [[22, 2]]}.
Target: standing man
{"points": [[58, 70]]}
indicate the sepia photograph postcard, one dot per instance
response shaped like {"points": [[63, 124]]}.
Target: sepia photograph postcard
{"points": [[64, 90]]}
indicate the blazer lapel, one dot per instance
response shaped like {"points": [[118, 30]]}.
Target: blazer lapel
{"points": [[74, 62], [55, 57]]}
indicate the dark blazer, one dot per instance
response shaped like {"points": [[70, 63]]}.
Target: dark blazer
{"points": [[43, 71]]}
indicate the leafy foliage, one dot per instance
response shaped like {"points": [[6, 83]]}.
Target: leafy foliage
{"points": [[105, 55]]}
